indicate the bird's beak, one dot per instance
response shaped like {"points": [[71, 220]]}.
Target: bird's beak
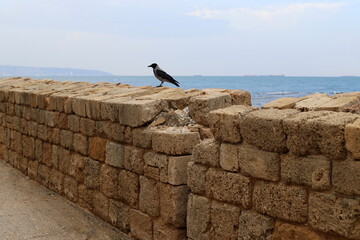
{"points": [[149, 66]]}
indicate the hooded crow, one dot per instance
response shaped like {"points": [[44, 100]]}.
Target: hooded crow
{"points": [[162, 75]]}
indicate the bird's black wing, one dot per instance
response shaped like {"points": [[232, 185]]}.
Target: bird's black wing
{"points": [[166, 76]]}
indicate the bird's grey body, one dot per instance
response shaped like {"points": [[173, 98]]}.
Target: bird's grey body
{"points": [[162, 76]]}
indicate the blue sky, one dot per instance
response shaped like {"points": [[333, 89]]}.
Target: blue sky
{"points": [[243, 37]]}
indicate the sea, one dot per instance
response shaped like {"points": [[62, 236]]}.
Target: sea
{"points": [[263, 89]]}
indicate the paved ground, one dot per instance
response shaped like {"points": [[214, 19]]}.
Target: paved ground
{"points": [[30, 211]]}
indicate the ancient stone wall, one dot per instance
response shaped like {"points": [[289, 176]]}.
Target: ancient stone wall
{"points": [[165, 163], [276, 174], [119, 151]]}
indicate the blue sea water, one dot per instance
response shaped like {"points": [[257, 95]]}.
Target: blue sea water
{"points": [[263, 89]]}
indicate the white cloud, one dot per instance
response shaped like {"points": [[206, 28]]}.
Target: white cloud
{"points": [[279, 16]]}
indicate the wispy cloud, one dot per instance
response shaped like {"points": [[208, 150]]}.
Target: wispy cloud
{"points": [[278, 16]]}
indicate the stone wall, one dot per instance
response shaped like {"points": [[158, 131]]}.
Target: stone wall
{"points": [[120, 152], [276, 174], [165, 163]]}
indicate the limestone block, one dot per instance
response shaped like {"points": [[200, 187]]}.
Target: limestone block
{"points": [[198, 218], [97, 148], [64, 160], [302, 135], [282, 103], [346, 177], [229, 157], [32, 169], [253, 225], [91, 173], [119, 215], [339, 103], [239, 97], [28, 144], [312, 103], [173, 203], [285, 202], [334, 214], [77, 166], [61, 122], [55, 156], [78, 106], [225, 123], [80, 144], [54, 136], [297, 232], [258, 163], [165, 231], [51, 118], [70, 188], [141, 225], [352, 137], [177, 170], [264, 129], [207, 152], [93, 107], [23, 165], [119, 133], [87, 127], [44, 174], [228, 187], [159, 161], [129, 188], [73, 123], [149, 198], [312, 171], [174, 142], [136, 113], [133, 159], [101, 205], [56, 181], [114, 154], [85, 197], [109, 181], [66, 138], [196, 177], [142, 137], [224, 220], [200, 106]]}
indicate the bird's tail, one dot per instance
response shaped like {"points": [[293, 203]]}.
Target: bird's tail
{"points": [[175, 83]]}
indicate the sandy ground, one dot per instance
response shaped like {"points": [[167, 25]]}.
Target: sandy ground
{"points": [[30, 211]]}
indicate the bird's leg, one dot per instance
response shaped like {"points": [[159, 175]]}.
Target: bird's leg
{"points": [[160, 84]]}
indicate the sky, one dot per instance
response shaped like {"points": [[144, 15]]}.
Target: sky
{"points": [[188, 37]]}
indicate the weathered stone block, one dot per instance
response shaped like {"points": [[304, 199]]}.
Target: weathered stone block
{"points": [[352, 137], [54, 136], [47, 153], [165, 231], [129, 188], [224, 220], [119, 215], [177, 170], [196, 177], [152, 172], [51, 118], [173, 202], [142, 137], [229, 157], [337, 104], [78, 106], [259, 164], [28, 144], [85, 197], [297, 232], [97, 148], [207, 152], [115, 154], [109, 181], [91, 173], [66, 138], [312, 103], [159, 161], [225, 123], [312, 171], [136, 113], [77, 166], [253, 225], [346, 177], [101, 205], [149, 196], [73, 123], [334, 214], [70, 188], [43, 173], [282, 103], [32, 169], [56, 181], [198, 218], [133, 159], [80, 144], [174, 142], [141, 225], [64, 160], [264, 129], [228, 187], [87, 127], [200, 106], [285, 202]]}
